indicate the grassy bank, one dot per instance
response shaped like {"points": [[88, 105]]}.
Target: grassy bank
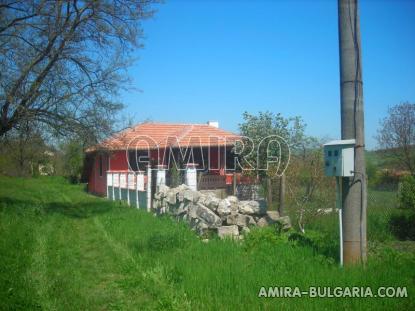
{"points": [[63, 249]]}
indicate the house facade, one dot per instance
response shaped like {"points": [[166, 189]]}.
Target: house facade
{"points": [[167, 146]]}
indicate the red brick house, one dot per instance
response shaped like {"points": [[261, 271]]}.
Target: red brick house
{"points": [[156, 144]]}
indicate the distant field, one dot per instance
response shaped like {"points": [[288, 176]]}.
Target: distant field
{"points": [[62, 249]]}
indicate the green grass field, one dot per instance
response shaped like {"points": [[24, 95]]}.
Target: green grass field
{"points": [[62, 249]]}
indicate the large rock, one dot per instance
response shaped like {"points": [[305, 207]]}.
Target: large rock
{"points": [[285, 221], [274, 215], [191, 195], [245, 230], [251, 208], [272, 218], [228, 231], [180, 192], [212, 202], [180, 210], [162, 190], [202, 198], [193, 222], [201, 212], [240, 220], [209, 217], [233, 200], [224, 208], [192, 210], [201, 227], [171, 196]]}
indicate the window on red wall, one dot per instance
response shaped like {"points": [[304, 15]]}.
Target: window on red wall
{"points": [[100, 165]]}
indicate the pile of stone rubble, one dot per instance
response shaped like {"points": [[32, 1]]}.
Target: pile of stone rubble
{"points": [[204, 211]]}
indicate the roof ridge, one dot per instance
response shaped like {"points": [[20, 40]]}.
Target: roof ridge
{"points": [[173, 123], [162, 133]]}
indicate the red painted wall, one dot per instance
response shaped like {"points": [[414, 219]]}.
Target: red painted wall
{"points": [[118, 161], [215, 161], [97, 182]]}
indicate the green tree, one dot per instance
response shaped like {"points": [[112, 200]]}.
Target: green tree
{"points": [[269, 140], [24, 151], [285, 135], [63, 62], [397, 134]]}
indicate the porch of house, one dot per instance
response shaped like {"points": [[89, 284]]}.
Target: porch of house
{"points": [[213, 169], [137, 188]]}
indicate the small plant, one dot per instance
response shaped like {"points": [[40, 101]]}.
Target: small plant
{"points": [[268, 236], [175, 177], [163, 242]]}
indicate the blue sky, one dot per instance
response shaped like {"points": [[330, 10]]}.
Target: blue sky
{"points": [[213, 60]]}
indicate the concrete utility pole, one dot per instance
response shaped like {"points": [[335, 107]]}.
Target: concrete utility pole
{"points": [[354, 196]]}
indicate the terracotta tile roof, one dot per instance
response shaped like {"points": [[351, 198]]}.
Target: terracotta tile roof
{"points": [[163, 135]]}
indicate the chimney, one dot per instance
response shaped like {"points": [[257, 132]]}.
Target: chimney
{"points": [[213, 123]]}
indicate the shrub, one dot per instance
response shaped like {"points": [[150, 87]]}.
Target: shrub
{"points": [[403, 226], [322, 243], [406, 193]]}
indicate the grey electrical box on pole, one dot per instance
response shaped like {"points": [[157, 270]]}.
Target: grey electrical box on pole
{"points": [[339, 158], [354, 197]]}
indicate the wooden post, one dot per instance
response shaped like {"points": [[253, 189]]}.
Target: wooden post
{"points": [[281, 206], [269, 192]]}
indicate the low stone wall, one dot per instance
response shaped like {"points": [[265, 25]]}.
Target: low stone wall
{"points": [[205, 211]]}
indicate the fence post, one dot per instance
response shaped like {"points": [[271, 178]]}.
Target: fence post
{"points": [[128, 188], [149, 188], [113, 191], [119, 187], [161, 176], [108, 185], [269, 192], [137, 203]]}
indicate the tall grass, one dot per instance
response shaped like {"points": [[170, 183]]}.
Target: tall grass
{"points": [[61, 248]]}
